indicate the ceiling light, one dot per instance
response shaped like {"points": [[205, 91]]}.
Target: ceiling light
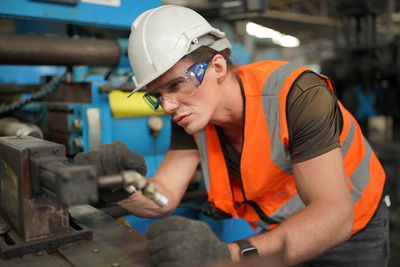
{"points": [[278, 38]]}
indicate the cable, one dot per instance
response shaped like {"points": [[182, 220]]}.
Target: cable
{"points": [[47, 89]]}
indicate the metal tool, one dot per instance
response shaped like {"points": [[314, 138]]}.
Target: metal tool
{"points": [[127, 178]]}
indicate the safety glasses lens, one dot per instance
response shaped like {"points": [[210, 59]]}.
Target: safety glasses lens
{"points": [[197, 72], [152, 102]]}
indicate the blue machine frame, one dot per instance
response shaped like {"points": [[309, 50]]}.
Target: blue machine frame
{"points": [[83, 13]]}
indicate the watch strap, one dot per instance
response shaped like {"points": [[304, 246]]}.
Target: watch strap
{"points": [[246, 248]]}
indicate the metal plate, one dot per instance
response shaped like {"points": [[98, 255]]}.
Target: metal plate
{"points": [[93, 117], [113, 244], [17, 247]]}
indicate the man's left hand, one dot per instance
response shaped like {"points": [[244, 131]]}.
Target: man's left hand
{"points": [[178, 241]]}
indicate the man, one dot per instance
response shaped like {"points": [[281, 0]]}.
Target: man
{"points": [[276, 148]]}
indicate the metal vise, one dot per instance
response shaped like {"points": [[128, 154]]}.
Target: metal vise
{"points": [[37, 184]]}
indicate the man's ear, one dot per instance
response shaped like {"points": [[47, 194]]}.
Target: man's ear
{"points": [[220, 67]]}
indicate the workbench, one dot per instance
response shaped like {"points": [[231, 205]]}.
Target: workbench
{"points": [[113, 245]]}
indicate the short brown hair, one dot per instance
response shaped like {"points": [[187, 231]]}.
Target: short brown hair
{"points": [[205, 54]]}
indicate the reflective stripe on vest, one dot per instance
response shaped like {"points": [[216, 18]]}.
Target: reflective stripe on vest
{"points": [[357, 173], [270, 103], [358, 180], [202, 145]]}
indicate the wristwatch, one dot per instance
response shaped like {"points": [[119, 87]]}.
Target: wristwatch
{"points": [[246, 249]]}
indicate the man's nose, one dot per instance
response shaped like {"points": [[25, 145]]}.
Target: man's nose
{"points": [[169, 106]]}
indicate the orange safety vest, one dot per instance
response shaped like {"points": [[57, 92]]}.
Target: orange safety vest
{"points": [[266, 194]]}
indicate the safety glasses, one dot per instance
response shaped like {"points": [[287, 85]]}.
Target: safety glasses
{"points": [[185, 84]]}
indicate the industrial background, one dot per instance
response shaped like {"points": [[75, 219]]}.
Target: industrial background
{"points": [[64, 78]]}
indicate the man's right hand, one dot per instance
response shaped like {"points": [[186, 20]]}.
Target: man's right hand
{"points": [[109, 159]]}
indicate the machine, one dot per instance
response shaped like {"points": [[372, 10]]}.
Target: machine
{"points": [[38, 185]]}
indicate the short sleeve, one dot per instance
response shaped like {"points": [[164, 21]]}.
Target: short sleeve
{"points": [[314, 118]]}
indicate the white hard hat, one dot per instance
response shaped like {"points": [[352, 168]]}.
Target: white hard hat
{"points": [[160, 37]]}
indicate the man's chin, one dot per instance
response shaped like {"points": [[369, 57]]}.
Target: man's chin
{"points": [[191, 130], [192, 127]]}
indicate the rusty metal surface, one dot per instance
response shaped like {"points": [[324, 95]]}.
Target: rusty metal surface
{"points": [[44, 50], [9, 200], [42, 218], [59, 121], [31, 217], [61, 138], [71, 92], [112, 243], [12, 246]]}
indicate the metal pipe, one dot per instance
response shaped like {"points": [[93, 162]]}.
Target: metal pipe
{"points": [[108, 181], [44, 50], [11, 126]]}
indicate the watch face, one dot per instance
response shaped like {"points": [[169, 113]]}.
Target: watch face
{"points": [[248, 252]]}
